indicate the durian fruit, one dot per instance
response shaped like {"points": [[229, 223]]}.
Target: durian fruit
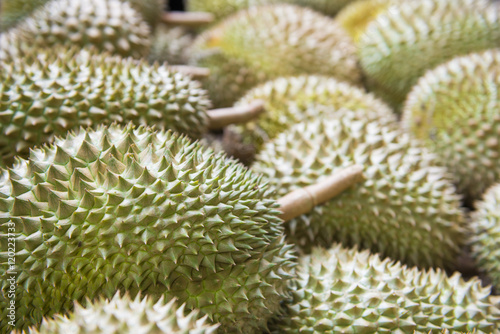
{"points": [[45, 95], [356, 16], [11, 11], [302, 91], [223, 8], [346, 291], [141, 211], [123, 315], [109, 25], [402, 43], [406, 209], [150, 10], [454, 110], [266, 42], [485, 238], [171, 44]]}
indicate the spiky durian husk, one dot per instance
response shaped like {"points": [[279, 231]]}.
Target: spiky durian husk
{"points": [[123, 315], [150, 10], [454, 110], [223, 8], [302, 91], [43, 95], [347, 291], [11, 11], [356, 16], [485, 238], [406, 209], [124, 209], [267, 42], [108, 25], [171, 44], [401, 44]]}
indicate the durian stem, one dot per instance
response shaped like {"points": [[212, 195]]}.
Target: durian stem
{"points": [[303, 200], [190, 19], [219, 118], [195, 72]]}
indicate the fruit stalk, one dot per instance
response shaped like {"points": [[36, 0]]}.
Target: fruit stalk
{"points": [[219, 118], [301, 201], [190, 19]]}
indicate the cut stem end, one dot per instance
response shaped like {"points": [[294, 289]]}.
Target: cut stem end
{"points": [[303, 200], [219, 118], [189, 19]]}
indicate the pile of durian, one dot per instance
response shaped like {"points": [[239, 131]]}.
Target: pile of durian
{"points": [[250, 166]]}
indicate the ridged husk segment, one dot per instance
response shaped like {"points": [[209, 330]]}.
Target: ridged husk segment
{"points": [[288, 101], [357, 15], [454, 109], [223, 8], [108, 25], [171, 44], [267, 42], [141, 211], [45, 94], [485, 238], [406, 208], [401, 44], [346, 291], [123, 315]]}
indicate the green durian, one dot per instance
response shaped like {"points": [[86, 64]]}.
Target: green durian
{"points": [[485, 238], [43, 95], [346, 291], [123, 315], [171, 44], [108, 25], [356, 16], [12, 11], [454, 109], [301, 91], [402, 43], [267, 42], [406, 209], [223, 8], [141, 211], [150, 10]]}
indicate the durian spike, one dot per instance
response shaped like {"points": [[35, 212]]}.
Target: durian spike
{"points": [[190, 19], [219, 118], [195, 72], [303, 200]]}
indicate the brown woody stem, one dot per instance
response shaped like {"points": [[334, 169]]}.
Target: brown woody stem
{"points": [[195, 72], [191, 19], [220, 118], [303, 200]]}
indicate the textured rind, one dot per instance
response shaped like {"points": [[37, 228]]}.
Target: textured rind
{"points": [[223, 8], [454, 110], [357, 15], [303, 91], [45, 94], [170, 44], [401, 44], [347, 291], [12, 11], [122, 315], [150, 10], [108, 25], [144, 212], [485, 238], [267, 42], [405, 209]]}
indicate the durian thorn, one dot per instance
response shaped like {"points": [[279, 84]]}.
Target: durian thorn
{"points": [[195, 72], [303, 200], [219, 118], [190, 19]]}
